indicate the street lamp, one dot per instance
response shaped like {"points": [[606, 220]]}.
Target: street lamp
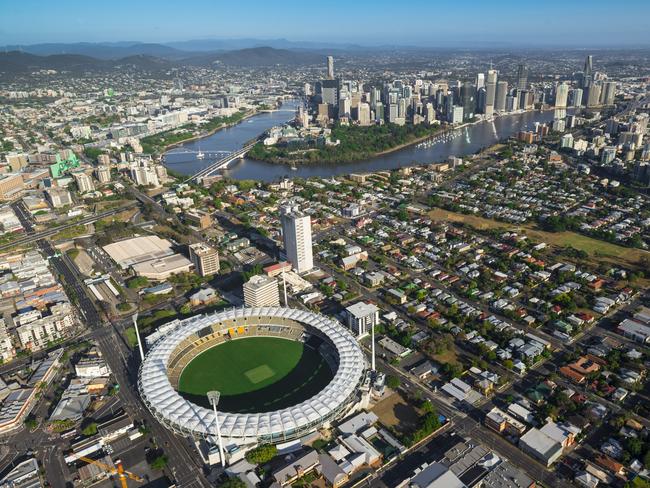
{"points": [[213, 398]]}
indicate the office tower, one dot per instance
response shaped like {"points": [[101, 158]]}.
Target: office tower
{"points": [[205, 259], [576, 97], [480, 80], [593, 95], [344, 107], [490, 93], [561, 98], [296, 232], [588, 72], [511, 103], [522, 77], [392, 113], [364, 114], [103, 174], [468, 100], [429, 113], [501, 96], [261, 291], [330, 92], [379, 112], [84, 182], [455, 114], [608, 92], [330, 67]]}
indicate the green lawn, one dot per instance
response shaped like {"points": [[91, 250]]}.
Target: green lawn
{"points": [[255, 374]]}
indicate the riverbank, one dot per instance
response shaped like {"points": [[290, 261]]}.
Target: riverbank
{"points": [[355, 143], [210, 132]]}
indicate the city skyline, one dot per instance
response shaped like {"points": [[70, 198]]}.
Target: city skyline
{"points": [[512, 24]]}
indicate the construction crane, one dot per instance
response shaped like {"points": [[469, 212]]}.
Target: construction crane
{"points": [[118, 470]]}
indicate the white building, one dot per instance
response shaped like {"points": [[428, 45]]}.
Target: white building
{"points": [[84, 182], [360, 317], [261, 291], [205, 259], [143, 173], [103, 174], [296, 231], [59, 197]]}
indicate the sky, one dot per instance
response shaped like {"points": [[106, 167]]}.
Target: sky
{"points": [[575, 23]]}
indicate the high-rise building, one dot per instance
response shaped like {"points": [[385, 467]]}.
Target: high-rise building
{"points": [[490, 93], [361, 317], [84, 182], [608, 92], [261, 291], [576, 97], [296, 232], [364, 114], [103, 174], [593, 95], [561, 99], [522, 77], [501, 96], [588, 72], [480, 80], [59, 197], [330, 67], [330, 91], [205, 259], [468, 100], [143, 173]]}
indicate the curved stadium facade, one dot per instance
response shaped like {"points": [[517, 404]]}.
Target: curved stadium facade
{"points": [[162, 368]]}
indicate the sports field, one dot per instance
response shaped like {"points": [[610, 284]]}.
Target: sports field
{"points": [[255, 374]]}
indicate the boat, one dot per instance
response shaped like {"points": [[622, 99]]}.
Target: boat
{"points": [[200, 155], [294, 167]]}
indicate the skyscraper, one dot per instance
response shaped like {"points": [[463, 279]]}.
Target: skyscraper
{"points": [[588, 72], [468, 100], [480, 80], [561, 98], [501, 96], [490, 92], [330, 67], [296, 232], [522, 77]]}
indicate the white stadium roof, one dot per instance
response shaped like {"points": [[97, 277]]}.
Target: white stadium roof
{"points": [[182, 415]]}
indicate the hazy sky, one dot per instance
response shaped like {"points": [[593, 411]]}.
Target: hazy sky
{"points": [[367, 22]]}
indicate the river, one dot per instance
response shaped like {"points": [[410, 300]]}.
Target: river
{"points": [[468, 140]]}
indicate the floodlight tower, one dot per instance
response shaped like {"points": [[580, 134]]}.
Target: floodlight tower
{"points": [[213, 398], [284, 284]]}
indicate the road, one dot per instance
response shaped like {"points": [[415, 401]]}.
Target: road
{"points": [[26, 220]]}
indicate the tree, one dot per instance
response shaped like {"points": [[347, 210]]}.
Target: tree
{"points": [[159, 462], [392, 382], [186, 309], [262, 454], [90, 429]]}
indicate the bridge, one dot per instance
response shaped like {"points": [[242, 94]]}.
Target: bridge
{"points": [[222, 163]]}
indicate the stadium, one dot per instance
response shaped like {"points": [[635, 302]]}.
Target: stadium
{"points": [[282, 373]]}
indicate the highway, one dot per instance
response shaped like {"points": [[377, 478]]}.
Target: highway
{"points": [[32, 236]]}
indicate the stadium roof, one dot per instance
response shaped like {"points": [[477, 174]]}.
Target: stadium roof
{"points": [[182, 415]]}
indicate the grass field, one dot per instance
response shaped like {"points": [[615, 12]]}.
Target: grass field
{"points": [[597, 249], [255, 374]]}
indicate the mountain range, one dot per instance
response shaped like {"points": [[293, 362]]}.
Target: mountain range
{"points": [[91, 57]]}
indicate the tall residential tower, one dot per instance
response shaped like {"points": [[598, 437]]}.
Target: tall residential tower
{"points": [[296, 232]]}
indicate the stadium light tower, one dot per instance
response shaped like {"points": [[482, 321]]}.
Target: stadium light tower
{"points": [[137, 334], [284, 283], [213, 398]]}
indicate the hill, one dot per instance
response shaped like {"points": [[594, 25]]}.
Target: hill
{"points": [[258, 56]]}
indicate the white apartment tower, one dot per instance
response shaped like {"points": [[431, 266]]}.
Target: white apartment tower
{"points": [[296, 232], [261, 291], [205, 259]]}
